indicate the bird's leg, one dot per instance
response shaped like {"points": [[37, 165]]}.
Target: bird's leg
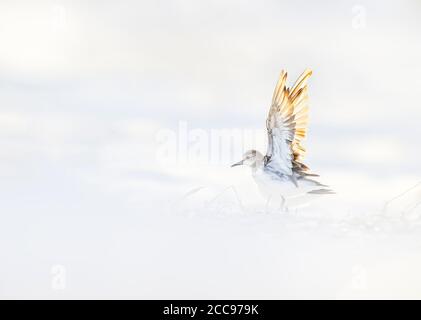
{"points": [[267, 204], [283, 206]]}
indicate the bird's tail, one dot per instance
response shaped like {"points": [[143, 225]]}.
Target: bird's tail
{"points": [[322, 191]]}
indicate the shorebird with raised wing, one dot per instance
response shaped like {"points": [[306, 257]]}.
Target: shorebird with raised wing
{"points": [[281, 174]]}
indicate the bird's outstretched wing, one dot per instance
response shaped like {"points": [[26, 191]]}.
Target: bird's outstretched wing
{"points": [[287, 127]]}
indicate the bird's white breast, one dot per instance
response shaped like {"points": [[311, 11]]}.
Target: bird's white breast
{"points": [[271, 186]]}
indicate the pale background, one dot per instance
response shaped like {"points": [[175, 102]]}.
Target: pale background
{"points": [[89, 210]]}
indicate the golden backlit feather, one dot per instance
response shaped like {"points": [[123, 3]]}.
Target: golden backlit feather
{"points": [[287, 125]]}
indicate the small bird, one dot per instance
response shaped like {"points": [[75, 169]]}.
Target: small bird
{"points": [[281, 174]]}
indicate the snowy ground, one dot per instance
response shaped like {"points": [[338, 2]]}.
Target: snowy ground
{"points": [[114, 181], [211, 243]]}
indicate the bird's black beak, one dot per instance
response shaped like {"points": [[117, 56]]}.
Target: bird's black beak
{"points": [[238, 163]]}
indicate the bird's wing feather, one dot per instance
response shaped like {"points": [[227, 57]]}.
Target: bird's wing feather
{"points": [[287, 126]]}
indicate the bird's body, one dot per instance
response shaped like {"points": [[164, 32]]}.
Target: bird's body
{"points": [[280, 174], [272, 185]]}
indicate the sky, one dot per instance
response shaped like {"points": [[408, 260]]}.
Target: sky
{"points": [[119, 120]]}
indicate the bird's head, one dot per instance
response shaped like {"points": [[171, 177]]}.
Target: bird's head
{"points": [[251, 158]]}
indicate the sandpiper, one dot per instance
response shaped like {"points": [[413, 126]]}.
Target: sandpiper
{"points": [[281, 174]]}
